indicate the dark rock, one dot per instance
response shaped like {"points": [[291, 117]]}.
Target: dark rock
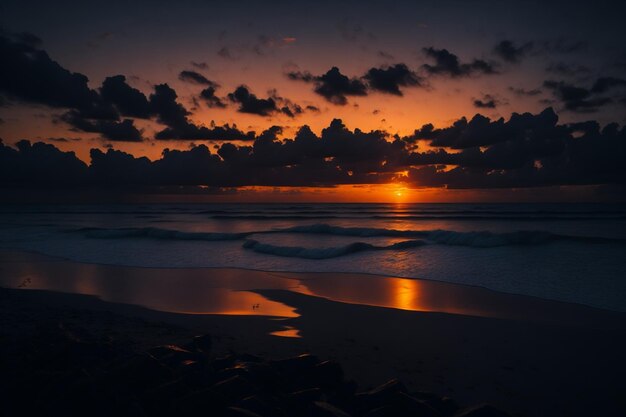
{"points": [[218, 396], [261, 373], [323, 409], [264, 405], [239, 412], [174, 356], [483, 410], [306, 396], [224, 362], [246, 357], [203, 343], [412, 406], [295, 365], [379, 396], [139, 373], [327, 375]]}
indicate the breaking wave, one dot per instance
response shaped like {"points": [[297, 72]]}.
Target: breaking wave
{"points": [[325, 253], [477, 239]]}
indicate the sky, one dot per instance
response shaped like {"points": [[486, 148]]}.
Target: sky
{"points": [[314, 101]]}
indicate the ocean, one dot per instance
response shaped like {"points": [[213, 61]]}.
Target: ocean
{"points": [[567, 252]]}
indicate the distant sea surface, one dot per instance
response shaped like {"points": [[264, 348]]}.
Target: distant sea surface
{"points": [[566, 252]]}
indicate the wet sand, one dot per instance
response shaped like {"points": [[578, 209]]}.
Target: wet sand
{"points": [[523, 354]]}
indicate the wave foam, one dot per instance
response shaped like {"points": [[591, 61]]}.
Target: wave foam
{"points": [[325, 253]]}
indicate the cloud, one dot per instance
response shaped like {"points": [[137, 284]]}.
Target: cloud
{"points": [[605, 84], [480, 131], [211, 100], [194, 77], [40, 165], [446, 63], [120, 131], [29, 74], [333, 85], [250, 103], [528, 150], [509, 52], [604, 91], [127, 100], [486, 102], [169, 112], [390, 79]]}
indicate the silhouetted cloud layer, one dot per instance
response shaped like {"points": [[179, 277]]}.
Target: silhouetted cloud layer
{"points": [[525, 151], [333, 85], [28, 74], [605, 90], [194, 77], [448, 64], [250, 103], [337, 87]]}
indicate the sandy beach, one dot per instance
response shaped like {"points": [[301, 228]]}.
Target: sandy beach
{"points": [[525, 355]]}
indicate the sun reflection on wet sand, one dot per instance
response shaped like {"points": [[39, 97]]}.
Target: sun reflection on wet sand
{"points": [[288, 331], [232, 291]]}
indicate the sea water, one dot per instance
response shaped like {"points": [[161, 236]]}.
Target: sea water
{"points": [[566, 252]]}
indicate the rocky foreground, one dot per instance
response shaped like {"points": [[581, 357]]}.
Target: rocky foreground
{"points": [[58, 373]]}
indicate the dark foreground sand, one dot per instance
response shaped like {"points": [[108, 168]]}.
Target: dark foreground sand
{"points": [[571, 365]]}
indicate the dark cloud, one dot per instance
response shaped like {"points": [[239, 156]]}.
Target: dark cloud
{"points": [[446, 63], [211, 100], [129, 101], [40, 165], [525, 151], [64, 140], [196, 78], [169, 112], [390, 79], [250, 103], [604, 91], [333, 85], [481, 131], [312, 108], [121, 131], [509, 52], [486, 102], [605, 84], [591, 158], [29, 74]]}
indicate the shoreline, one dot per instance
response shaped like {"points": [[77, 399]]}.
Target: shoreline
{"points": [[309, 275], [239, 291]]}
